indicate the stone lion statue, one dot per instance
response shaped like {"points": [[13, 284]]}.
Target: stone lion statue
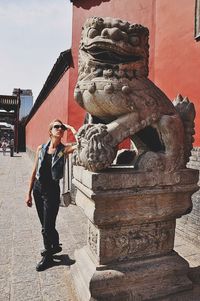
{"points": [[113, 86]]}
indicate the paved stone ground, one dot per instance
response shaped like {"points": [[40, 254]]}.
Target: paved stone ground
{"points": [[21, 242]]}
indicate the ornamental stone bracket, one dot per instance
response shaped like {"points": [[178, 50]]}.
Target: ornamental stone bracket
{"points": [[131, 227]]}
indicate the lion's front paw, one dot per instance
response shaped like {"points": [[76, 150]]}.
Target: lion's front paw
{"points": [[95, 149]]}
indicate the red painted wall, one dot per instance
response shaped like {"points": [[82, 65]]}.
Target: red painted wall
{"points": [[174, 57], [174, 53], [177, 54], [54, 106]]}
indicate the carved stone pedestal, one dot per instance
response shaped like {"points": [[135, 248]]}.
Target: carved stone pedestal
{"points": [[131, 225]]}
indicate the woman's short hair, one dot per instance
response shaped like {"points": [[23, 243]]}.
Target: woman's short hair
{"points": [[52, 123]]}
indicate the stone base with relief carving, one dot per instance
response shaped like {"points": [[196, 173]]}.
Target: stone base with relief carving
{"points": [[131, 226]]}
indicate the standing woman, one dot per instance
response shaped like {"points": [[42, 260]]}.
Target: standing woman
{"points": [[47, 171]]}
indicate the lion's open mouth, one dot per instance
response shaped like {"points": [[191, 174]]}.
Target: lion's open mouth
{"points": [[111, 54]]}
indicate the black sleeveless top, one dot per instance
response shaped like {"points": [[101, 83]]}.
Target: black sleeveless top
{"points": [[45, 172]]}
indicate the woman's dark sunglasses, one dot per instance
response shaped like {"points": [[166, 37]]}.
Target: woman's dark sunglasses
{"points": [[59, 126]]}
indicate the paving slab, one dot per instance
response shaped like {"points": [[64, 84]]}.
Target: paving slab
{"points": [[21, 242]]}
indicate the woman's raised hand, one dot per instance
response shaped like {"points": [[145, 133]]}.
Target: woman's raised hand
{"points": [[71, 128]]}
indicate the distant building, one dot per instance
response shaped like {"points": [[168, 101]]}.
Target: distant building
{"points": [[26, 97]]}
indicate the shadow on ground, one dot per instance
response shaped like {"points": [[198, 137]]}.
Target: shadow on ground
{"points": [[194, 275]]}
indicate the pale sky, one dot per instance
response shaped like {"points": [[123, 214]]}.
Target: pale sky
{"points": [[33, 33]]}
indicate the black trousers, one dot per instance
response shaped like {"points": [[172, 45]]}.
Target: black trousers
{"points": [[47, 204]]}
